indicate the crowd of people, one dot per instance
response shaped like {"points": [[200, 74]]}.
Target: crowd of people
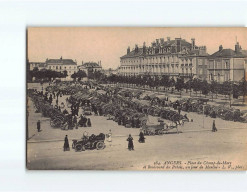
{"points": [[75, 119]]}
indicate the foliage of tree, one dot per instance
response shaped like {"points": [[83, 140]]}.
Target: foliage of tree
{"points": [[46, 74], [79, 75], [179, 85]]}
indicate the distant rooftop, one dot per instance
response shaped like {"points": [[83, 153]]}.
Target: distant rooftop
{"points": [[61, 61], [160, 43], [90, 65], [229, 53]]}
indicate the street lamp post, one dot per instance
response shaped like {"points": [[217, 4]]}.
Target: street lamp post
{"points": [[231, 92], [203, 108]]}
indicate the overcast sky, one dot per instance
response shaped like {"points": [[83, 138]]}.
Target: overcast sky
{"points": [[108, 44]]}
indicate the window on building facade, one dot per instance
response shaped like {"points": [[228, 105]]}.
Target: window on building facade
{"points": [[211, 77], [227, 65], [218, 77], [226, 77]]}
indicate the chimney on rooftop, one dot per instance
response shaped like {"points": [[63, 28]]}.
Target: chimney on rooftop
{"points": [[220, 48], [157, 42], [61, 58], [168, 39], [128, 50], [193, 43], [144, 47], [161, 41], [178, 44], [136, 48], [237, 47]]}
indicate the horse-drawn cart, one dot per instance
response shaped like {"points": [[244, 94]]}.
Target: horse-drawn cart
{"points": [[154, 129]]}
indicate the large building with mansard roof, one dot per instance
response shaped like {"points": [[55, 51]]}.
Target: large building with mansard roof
{"points": [[176, 58], [61, 65]]}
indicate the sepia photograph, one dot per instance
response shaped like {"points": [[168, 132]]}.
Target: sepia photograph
{"points": [[136, 98]]}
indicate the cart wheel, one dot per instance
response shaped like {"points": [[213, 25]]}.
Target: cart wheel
{"points": [[100, 145], [79, 148]]}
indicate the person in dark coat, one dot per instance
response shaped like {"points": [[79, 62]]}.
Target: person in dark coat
{"points": [[38, 125], [130, 143], [119, 121], [50, 99], [72, 110], [83, 121], [66, 144], [75, 122], [141, 137], [214, 129], [70, 122], [46, 98], [179, 109], [89, 122], [213, 114]]}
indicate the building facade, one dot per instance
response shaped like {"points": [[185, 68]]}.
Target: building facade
{"points": [[90, 67], [227, 64], [176, 58], [39, 65], [62, 65]]}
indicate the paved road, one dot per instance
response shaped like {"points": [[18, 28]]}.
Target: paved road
{"points": [[45, 151], [228, 145]]}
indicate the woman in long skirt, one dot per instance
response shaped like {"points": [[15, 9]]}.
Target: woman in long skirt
{"points": [[66, 144], [141, 137], [130, 143], [214, 129], [89, 122]]}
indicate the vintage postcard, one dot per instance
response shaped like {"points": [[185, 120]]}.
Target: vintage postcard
{"points": [[133, 98]]}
